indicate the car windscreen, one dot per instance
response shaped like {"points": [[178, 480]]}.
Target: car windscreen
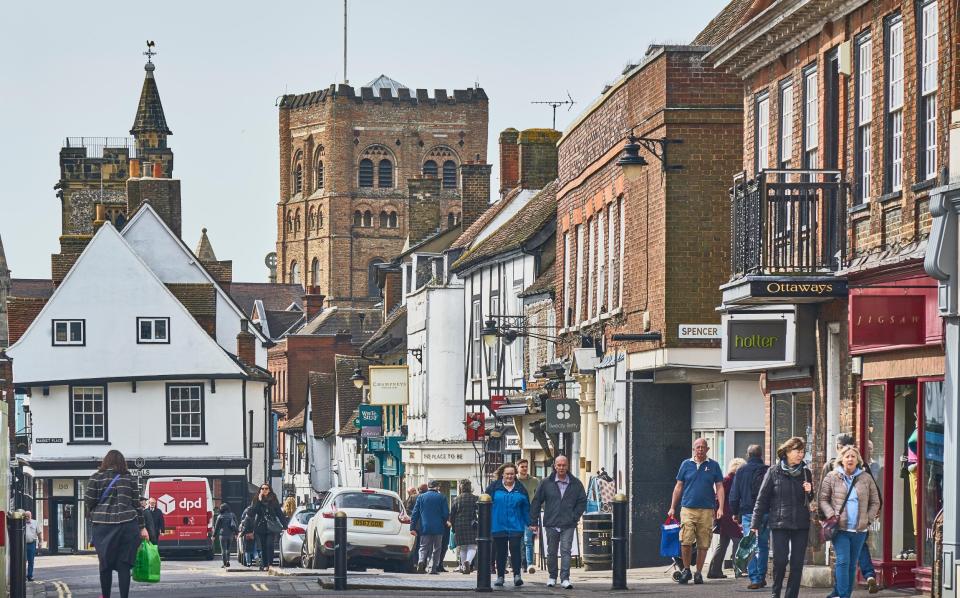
{"points": [[367, 500]]}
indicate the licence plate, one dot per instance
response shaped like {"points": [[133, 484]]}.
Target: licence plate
{"points": [[367, 523]]}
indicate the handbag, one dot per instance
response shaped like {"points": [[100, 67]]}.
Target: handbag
{"points": [[273, 524], [593, 496], [828, 528], [670, 538]]}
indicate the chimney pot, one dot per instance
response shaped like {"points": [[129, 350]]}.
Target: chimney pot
{"points": [[134, 169], [158, 170]]}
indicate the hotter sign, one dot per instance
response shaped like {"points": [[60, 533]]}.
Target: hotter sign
{"points": [[887, 320]]}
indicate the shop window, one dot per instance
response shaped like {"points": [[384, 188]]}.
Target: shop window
{"points": [[904, 500], [931, 456], [793, 416]]}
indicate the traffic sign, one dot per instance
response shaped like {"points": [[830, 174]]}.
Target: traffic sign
{"points": [[563, 416]]}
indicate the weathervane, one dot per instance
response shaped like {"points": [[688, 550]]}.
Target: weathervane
{"points": [[150, 53], [556, 104]]}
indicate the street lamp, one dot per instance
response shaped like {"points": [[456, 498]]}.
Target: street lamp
{"points": [[630, 160], [358, 379], [489, 332]]}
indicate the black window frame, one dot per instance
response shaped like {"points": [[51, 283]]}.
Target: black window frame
{"points": [[154, 319], [106, 413], [365, 174], [888, 22], [203, 413], [68, 321]]}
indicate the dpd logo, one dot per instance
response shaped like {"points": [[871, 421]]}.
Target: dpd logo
{"points": [[166, 504]]}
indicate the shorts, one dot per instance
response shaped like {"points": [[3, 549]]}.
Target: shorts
{"points": [[696, 527]]}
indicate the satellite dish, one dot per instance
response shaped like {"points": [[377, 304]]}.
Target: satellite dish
{"points": [[270, 261]]}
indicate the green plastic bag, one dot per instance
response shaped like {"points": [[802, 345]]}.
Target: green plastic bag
{"points": [[746, 550], [147, 567]]}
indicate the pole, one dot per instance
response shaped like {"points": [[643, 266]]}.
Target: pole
{"points": [[619, 541], [484, 507], [340, 551], [18, 555], [345, 80]]}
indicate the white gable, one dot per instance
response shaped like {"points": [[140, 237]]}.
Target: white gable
{"points": [[109, 287]]}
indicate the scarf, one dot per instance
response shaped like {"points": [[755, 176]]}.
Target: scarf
{"points": [[795, 471]]}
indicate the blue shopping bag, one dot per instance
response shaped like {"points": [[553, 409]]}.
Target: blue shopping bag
{"points": [[670, 538]]}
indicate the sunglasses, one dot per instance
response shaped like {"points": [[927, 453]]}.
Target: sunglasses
{"points": [[265, 488]]}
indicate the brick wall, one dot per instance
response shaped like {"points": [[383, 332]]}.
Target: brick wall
{"points": [[293, 358], [509, 160], [163, 196]]}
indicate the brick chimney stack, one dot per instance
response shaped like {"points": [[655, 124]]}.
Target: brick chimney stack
{"points": [[476, 191], [424, 210], [246, 344], [312, 302], [538, 157], [509, 161]]}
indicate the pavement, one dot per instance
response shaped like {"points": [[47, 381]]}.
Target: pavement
{"points": [[70, 576]]}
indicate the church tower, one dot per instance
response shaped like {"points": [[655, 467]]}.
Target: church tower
{"points": [[4, 292]]}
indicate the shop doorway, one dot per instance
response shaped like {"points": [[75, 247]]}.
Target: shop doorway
{"points": [[63, 526]]}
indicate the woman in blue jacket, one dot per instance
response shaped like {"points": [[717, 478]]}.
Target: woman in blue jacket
{"points": [[511, 516]]}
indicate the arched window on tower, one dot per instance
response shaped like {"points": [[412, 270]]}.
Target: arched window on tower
{"points": [[319, 174], [315, 272], [384, 219], [365, 174], [368, 219], [319, 219], [385, 174], [297, 222], [394, 221], [294, 272], [358, 218], [372, 289], [298, 173], [430, 168], [449, 174]]}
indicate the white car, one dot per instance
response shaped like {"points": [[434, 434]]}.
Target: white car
{"points": [[378, 530]]}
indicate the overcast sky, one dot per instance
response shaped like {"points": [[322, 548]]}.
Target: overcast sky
{"points": [[75, 69]]}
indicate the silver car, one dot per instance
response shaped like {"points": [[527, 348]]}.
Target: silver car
{"points": [[291, 539]]}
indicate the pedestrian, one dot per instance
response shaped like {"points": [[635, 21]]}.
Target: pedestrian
{"points": [[463, 521], [227, 528], [530, 483], [728, 528], [411, 500], [699, 489], [563, 500], [850, 495], [112, 500], [784, 499], [249, 546], [865, 563], [289, 506], [32, 537], [511, 516], [429, 520], [743, 497], [264, 520], [153, 520]]}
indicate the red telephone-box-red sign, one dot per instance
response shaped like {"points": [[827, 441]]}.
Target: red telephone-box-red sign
{"points": [[475, 426], [887, 320], [497, 401]]}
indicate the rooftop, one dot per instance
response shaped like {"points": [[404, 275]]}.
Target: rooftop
{"points": [[276, 296]]}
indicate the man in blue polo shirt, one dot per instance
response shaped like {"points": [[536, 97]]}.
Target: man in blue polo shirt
{"points": [[699, 490]]}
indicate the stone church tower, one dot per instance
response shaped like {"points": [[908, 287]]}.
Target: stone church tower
{"points": [[364, 174], [4, 291]]}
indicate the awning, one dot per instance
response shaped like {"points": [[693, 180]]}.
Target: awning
{"points": [[512, 410]]}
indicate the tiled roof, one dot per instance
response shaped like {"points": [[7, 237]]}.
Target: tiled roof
{"points": [[399, 313], [348, 395], [724, 23], [150, 116], [336, 320], [21, 312], [280, 322], [275, 296], [200, 299], [39, 288], [489, 214], [545, 283], [322, 401], [292, 423], [536, 214]]}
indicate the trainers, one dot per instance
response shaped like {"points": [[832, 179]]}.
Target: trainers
{"points": [[566, 584], [499, 582], [531, 569], [754, 586], [517, 581], [685, 576], [551, 582], [697, 578], [872, 585]]}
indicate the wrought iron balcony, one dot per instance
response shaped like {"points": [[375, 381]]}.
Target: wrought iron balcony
{"points": [[787, 222]]}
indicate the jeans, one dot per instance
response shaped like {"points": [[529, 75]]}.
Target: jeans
{"points": [[31, 555], [757, 567], [866, 561], [790, 543], [225, 549], [500, 543], [265, 542], [528, 540], [431, 550], [563, 538], [847, 547]]}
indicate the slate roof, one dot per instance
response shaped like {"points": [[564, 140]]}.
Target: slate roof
{"points": [[536, 214], [348, 395], [276, 296], [399, 313], [545, 283], [280, 322], [337, 319], [200, 299], [724, 24], [489, 214], [150, 116], [38, 288], [322, 401]]}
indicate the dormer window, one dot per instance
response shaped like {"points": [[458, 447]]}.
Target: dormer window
{"points": [[69, 333], [153, 330]]}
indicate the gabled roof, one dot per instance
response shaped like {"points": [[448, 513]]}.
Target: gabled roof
{"points": [[38, 288], [276, 296], [323, 398], [337, 320], [293, 423], [513, 234], [385, 82], [725, 23], [150, 118], [465, 239], [280, 323]]}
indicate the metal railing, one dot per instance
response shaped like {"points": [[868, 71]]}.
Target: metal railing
{"points": [[96, 145], [787, 222]]}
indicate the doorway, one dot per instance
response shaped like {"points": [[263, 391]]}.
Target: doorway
{"points": [[63, 526]]}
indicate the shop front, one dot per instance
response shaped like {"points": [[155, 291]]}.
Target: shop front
{"points": [[389, 458], [448, 462], [896, 336]]}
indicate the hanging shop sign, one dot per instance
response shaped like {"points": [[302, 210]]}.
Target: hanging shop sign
{"points": [[887, 320], [388, 385], [563, 416], [762, 339], [757, 340]]}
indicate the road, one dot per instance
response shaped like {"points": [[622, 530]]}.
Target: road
{"points": [[75, 576]]}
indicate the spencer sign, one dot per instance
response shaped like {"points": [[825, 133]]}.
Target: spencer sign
{"points": [[756, 340]]}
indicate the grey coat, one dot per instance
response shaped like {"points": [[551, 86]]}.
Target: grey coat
{"points": [[833, 490]]}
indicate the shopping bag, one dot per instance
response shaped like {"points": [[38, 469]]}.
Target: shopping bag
{"points": [[147, 567], [670, 538], [593, 496], [746, 550]]}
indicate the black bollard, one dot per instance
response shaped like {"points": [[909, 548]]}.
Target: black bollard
{"points": [[484, 542], [18, 555], [619, 540], [340, 551]]}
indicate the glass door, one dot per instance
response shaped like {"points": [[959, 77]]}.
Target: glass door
{"points": [[930, 477], [903, 503], [874, 453]]}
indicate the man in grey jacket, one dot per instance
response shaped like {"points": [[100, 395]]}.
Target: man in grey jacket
{"points": [[563, 500]]}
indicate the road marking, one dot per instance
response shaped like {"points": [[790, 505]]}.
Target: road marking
{"points": [[260, 587], [63, 590]]}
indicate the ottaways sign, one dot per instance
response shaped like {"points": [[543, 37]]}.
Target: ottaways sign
{"points": [[563, 416]]}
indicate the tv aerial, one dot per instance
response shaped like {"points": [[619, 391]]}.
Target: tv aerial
{"points": [[556, 104]]}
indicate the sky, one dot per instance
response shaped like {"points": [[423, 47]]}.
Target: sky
{"points": [[76, 69]]}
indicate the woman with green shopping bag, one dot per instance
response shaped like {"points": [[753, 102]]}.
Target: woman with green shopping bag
{"points": [[113, 502]]}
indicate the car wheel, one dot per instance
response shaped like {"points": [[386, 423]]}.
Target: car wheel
{"points": [[306, 561], [319, 560]]}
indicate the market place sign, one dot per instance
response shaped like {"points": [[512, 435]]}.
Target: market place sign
{"points": [[790, 289]]}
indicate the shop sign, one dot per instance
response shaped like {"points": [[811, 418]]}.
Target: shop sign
{"points": [[757, 340], [369, 416], [371, 431], [791, 289], [388, 385], [63, 487], [887, 320], [447, 456], [563, 416], [699, 331], [512, 443]]}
